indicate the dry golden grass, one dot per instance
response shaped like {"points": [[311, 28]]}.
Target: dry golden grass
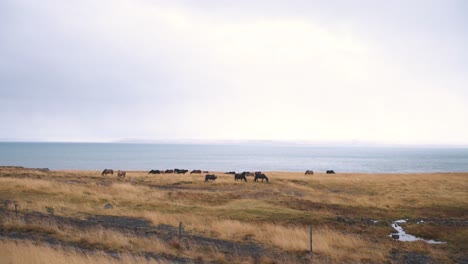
{"points": [[274, 214], [326, 241], [30, 253]]}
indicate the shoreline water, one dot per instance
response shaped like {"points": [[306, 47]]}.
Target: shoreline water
{"points": [[248, 157]]}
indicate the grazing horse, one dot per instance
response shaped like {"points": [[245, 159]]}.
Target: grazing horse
{"points": [[195, 171], [107, 171], [330, 172], [169, 171], [121, 174], [261, 176], [230, 172], [240, 177], [309, 172], [180, 171], [155, 172], [210, 177]]}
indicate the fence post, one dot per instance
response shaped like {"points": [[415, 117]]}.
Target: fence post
{"points": [[310, 235], [180, 230]]}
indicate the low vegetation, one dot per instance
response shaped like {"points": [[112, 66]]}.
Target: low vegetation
{"points": [[60, 214]]}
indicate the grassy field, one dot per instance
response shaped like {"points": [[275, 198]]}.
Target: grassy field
{"points": [[60, 215]]}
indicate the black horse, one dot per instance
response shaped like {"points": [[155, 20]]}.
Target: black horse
{"points": [[261, 176], [169, 171], [210, 177], [330, 172], [230, 172], [195, 171], [155, 172], [180, 171], [240, 177]]}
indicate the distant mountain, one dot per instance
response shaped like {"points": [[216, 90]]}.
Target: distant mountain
{"points": [[248, 142]]}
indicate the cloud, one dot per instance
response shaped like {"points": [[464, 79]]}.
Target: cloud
{"points": [[105, 70]]}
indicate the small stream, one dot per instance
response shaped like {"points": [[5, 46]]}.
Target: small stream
{"points": [[403, 236]]}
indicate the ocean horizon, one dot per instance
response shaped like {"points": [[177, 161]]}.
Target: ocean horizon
{"points": [[234, 157]]}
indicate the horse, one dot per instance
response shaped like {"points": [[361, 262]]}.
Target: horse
{"points": [[261, 176], [230, 172], [155, 172], [169, 171], [180, 171], [121, 174], [240, 177], [330, 172], [210, 177], [107, 171], [309, 172], [196, 171]]}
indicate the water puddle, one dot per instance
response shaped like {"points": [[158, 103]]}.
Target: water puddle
{"points": [[401, 235]]}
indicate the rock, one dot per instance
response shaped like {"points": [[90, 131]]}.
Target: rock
{"points": [[395, 236], [108, 206], [50, 209]]}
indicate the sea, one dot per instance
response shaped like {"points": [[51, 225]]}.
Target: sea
{"points": [[234, 157]]}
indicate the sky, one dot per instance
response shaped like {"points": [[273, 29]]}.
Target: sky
{"points": [[390, 72]]}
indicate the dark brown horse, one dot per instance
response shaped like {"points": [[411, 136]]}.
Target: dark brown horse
{"points": [[240, 177], [180, 171], [260, 176], [107, 171], [210, 177], [309, 172]]}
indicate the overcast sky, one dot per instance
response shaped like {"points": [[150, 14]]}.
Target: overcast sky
{"points": [[321, 71]]}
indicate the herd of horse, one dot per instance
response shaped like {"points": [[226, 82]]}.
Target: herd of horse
{"points": [[120, 174], [311, 172], [177, 171], [258, 175]]}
